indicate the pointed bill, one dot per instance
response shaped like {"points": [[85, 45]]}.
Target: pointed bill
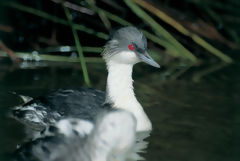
{"points": [[146, 58]]}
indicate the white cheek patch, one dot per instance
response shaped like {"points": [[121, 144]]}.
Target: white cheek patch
{"points": [[126, 57]]}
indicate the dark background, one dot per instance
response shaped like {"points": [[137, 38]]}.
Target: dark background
{"points": [[193, 104]]}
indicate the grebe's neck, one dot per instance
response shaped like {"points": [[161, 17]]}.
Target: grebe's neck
{"points": [[120, 94]]}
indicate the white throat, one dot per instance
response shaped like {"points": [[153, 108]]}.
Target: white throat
{"points": [[120, 93]]}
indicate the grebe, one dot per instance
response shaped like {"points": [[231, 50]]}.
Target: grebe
{"points": [[126, 47], [112, 139]]}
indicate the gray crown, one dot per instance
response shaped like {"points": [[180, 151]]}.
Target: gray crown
{"points": [[120, 40]]}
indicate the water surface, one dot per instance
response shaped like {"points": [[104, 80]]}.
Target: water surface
{"points": [[191, 121]]}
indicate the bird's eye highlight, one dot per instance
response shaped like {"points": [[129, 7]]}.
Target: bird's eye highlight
{"points": [[131, 47]]}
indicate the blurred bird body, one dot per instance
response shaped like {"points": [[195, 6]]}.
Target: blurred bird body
{"points": [[111, 139]]}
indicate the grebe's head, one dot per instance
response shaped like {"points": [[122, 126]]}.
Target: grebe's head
{"points": [[128, 46]]}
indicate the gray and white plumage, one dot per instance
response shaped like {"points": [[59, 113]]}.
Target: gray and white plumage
{"points": [[86, 103], [112, 139], [49, 111]]}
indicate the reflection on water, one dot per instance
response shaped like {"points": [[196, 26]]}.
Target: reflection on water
{"points": [[191, 121]]}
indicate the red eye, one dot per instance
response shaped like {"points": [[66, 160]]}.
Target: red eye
{"points": [[131, 47]]}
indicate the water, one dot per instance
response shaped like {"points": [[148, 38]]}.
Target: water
{"points": [[191, 121]]}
